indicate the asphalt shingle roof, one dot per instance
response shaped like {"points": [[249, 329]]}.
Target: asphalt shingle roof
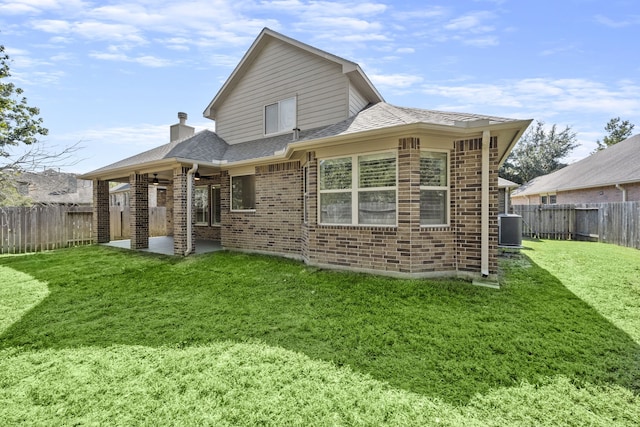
{"points": [[207, 146], [617, 164]]}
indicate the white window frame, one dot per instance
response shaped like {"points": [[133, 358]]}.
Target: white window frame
{"points": [[280, 128], [213, 205], [207, 205], [355, 190], [446, 188], [231, 194], [545, 199]]}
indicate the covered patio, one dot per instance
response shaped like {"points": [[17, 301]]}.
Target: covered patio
{"points": [[164, 245]]}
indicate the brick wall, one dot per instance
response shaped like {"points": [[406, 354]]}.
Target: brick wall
{"points": [[410, 248], [276, 223], [180, 211], [101, 211], [467, 192], [139, 213]]}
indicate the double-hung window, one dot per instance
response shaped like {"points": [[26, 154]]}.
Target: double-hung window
{"points": [[243, 192], [358, 190], [434, 188], [280, 116]]}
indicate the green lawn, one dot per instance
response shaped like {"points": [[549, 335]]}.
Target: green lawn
{"points": [[97, 335]]}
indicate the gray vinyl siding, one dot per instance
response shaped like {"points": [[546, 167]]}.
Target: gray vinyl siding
{"points": [[356, 101], [282, 71]]}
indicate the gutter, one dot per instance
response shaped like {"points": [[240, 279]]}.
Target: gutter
{"points": [[624, 192], [484, 225], [190, 173]]}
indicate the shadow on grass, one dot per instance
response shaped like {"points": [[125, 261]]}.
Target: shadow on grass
{"points": [[443, 339]]}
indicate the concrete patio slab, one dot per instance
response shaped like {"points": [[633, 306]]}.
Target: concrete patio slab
{"points": [[164, 245]]}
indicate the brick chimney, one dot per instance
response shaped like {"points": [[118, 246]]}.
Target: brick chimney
{"points": [[180, 130]]}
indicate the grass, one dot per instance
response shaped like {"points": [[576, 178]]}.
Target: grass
{"points": [[105, 336]]}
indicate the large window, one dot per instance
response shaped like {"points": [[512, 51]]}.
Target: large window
{"points": [[280, 116], [358, 190], [201, 204], [243, 192], [434, 188]]}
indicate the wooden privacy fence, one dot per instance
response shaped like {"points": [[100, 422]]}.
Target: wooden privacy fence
{"points": [[616, 223], [41, 228], [120, 226]]}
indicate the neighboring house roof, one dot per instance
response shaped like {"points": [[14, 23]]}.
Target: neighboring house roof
{"points": [[349, 68], [207, 147], [53, 187], [618, 164], [505, 183]]}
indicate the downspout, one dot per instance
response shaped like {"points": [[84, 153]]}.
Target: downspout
{"points": [[624, 192], [190, 173], [484, 224]]}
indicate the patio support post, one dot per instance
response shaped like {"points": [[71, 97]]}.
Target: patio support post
{"points": [[180, 211], [101, 227], [139, 210]]}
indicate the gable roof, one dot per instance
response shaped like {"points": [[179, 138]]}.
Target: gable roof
{"points": [[618, 164], [352, 70]]}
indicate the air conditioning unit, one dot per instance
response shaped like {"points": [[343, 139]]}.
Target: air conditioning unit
{"points": [[510, 230]]}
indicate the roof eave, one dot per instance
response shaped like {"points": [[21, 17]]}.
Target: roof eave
{"points": [[147, 167], [574, 188]]}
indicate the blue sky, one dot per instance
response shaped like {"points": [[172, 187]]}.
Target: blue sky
{"points": [[112, 75]]}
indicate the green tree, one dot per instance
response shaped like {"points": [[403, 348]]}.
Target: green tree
{"points": [[618, 130], [19, 123], [538, 152]]}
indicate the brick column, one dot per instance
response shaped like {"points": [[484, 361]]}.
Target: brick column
{"points": [[408, 200], [101, 228], [310, 201], [467, 174], [139, 217], [180, 212]]}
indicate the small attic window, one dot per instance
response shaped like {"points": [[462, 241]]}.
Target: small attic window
{"points": [[280, 117]]}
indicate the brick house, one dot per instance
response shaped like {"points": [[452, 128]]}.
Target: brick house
{"points": [[610, 175], [308, 161]]}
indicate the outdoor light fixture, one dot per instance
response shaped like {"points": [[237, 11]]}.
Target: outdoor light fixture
{"points": [[155, 179], [197, 176]]}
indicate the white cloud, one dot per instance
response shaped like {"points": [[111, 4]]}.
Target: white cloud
{"points": [[547, 97], [92, 30], [486, 41], [620, 23], [472, 22], [430, 13], [398, 81], [145, 60]]}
